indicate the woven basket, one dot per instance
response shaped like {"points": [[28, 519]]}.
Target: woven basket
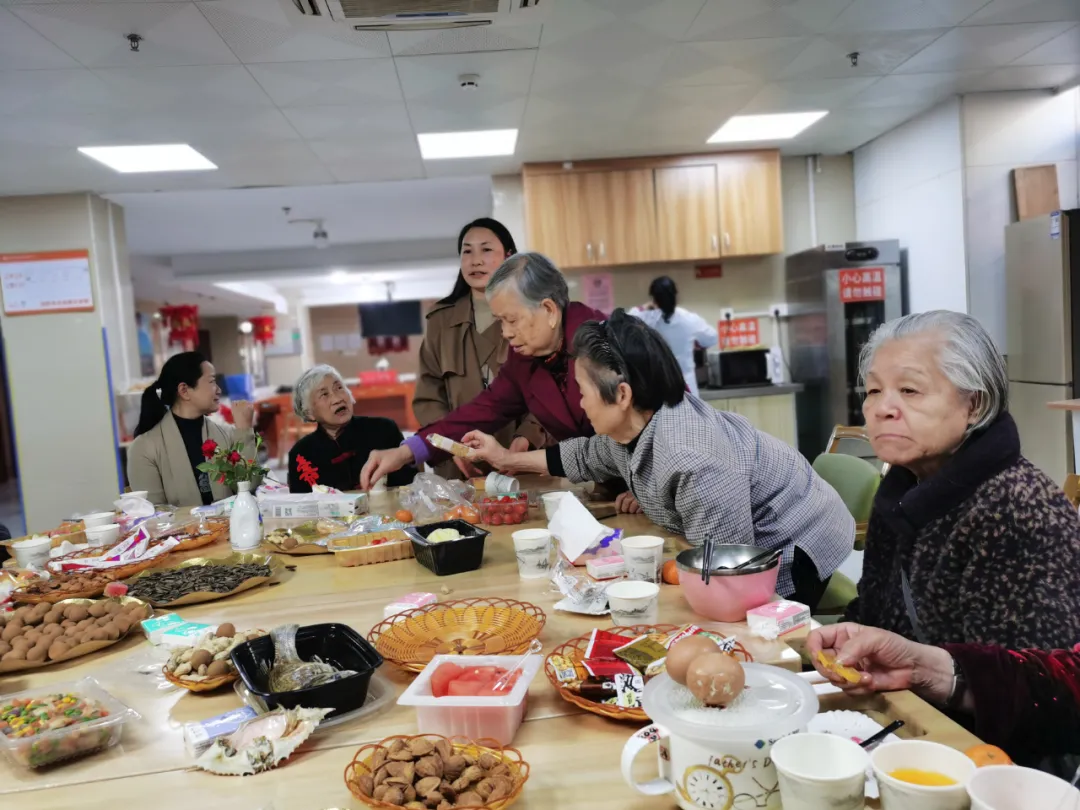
{"points": [[207, 685], [575, 650], [24, 598], [511, 757], [487, 626]]}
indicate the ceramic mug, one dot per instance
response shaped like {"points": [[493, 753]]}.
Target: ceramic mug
{"points": [[633, 602], [701, 776]]}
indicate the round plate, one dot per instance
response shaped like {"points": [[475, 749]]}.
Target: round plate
{"points": [[460, 627]]}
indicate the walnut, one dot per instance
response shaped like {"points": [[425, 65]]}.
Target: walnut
{"points": [[469, 799], [453, 766], [426, 785], [394, 795], [488, 761], [430, 766], [444, 748], [378, 758], [379, 792], [365, 784], [421, 747]]}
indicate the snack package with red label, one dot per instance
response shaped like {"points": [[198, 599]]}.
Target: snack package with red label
{"points": [[602, 645]]}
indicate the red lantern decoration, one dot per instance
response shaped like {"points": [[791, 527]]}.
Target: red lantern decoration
{"points": [[183, 323], [262, 328]]}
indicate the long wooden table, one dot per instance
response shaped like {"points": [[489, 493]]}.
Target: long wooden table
{"points": [[151, 761]]}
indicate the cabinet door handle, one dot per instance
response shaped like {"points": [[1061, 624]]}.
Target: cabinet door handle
{"points": [[588, 250], [603, 253], [715, 242], [727, 239]]}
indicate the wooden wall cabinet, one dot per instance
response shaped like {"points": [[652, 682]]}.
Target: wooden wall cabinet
{"points": [[638, 210]]}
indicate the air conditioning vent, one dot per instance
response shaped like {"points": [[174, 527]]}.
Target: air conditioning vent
{"points": [[413, 15], [404, 10]]}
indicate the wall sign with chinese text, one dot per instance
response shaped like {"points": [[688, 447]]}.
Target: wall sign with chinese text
{"points": [[38, 283], [739, 333], [598, 290], [862, 284]]}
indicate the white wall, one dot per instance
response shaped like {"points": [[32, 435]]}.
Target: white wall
{"points": [[1002, 132], [909, 186]]}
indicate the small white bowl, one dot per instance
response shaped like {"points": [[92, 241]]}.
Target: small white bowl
{"points": [[1010, 787], [98, 519], [32, 551], [106, 535]]}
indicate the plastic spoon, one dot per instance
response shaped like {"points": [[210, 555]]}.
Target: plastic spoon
{"points": [[534, 648]]}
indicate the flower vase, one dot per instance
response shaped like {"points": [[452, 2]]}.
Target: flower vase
{"points": [[245, 522]]}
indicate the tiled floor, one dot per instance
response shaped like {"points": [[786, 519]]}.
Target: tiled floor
{"points": [[11, 514]]}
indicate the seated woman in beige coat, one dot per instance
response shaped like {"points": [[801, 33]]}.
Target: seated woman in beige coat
{"points": [[172, 429]]}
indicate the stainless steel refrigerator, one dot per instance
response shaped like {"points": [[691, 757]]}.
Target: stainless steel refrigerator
{"points": [[1042, 260], [837, 295]]}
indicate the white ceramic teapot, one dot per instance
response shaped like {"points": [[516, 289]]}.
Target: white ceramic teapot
{"points": [[718, 759]]}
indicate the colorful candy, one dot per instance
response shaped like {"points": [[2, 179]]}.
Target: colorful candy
{"points": [[28, 717]]}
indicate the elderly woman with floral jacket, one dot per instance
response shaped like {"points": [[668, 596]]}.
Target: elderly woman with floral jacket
{"points": [[968, 541]]}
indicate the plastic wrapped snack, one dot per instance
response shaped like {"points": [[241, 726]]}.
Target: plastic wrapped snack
{"points": [[432, 497], [290, 673]]}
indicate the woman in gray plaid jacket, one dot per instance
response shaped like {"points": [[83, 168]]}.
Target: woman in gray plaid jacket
{"points": [[696, 471]]}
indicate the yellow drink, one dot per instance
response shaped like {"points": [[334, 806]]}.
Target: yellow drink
{"points": [[925, 778]]}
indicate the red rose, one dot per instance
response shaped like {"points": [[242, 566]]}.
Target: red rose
{"points": [[221, 479], [208, 448], [234, 457]]}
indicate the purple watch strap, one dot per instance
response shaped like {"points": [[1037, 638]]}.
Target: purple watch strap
{"points": [[421, 450]]}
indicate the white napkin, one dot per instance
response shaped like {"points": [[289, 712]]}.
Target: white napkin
{"points": [[133, 506], [575, 527]]}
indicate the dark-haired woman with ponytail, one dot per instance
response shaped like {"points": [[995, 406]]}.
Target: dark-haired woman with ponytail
{"points": [[463, 348], [679, 327], [173, 431], [705, 474]]}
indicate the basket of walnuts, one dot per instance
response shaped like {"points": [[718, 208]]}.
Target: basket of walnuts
{"points": [[430, 772]]}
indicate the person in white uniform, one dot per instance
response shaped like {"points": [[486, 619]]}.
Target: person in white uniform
{"points": [[680, 328]]}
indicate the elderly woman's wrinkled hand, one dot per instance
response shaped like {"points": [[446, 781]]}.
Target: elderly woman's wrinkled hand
{"points": [[486, 447], [627, 504]]}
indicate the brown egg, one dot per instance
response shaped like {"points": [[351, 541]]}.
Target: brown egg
{"points": [[684, 651], [97, 610], [201, 658], [716, 679], [217, 669], [77, 613], [58, 649], [226, 630]]}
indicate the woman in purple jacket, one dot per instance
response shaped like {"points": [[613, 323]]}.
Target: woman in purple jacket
{"points": [[530, 299]]}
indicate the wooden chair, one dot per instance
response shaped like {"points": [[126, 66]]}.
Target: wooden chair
{"points": [[1072, 489], [293, 429]]}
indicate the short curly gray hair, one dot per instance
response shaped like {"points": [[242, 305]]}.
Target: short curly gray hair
{"points": [[307, 383], [968, 358], [535, 278]]}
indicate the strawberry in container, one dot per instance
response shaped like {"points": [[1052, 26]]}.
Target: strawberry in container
{"points": [[503, 509]]}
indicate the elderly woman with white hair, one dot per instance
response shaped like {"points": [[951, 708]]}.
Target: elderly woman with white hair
{"points": [[968, 541], [336, 452]]}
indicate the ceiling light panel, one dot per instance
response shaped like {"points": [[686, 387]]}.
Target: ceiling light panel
{"points": [[167, 157], [475, 144], [778, 127]]}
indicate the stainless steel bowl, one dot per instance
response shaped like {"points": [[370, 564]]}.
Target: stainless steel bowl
{"points": [[725, 556]]}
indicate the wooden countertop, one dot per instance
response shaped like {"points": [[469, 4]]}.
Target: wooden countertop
{"points": [[151, 759]]}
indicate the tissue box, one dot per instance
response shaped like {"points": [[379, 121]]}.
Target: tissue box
{"points": [[606, 567], [312, 506], [201, 735], [610, 546], [408, 602], [172, 631], [776, 618]]}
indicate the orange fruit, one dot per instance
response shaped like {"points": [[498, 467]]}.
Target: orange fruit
{"points": [[403, 515], [670, 573], [983, 755]]}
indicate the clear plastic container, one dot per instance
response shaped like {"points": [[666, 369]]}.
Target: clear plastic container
{"points": [[496, 718], [50, 747]]}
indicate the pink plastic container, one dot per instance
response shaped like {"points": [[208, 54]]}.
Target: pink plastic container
{"points": [[496, 718], [729, 594]]}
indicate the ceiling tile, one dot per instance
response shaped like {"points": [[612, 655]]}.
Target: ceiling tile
{"points": [[904, 90], [277, 163], [998, 12], [473, 167], [827, 57], [352, 161], [186, 87], [466, 40], [459, 114], [21, 47], [1061, 50], [846, 130], [223, 125], [732, 62], [435, 78], [672, 18], [339, 81], [261, 31], [981, 46], [809, 94], [898, 15], [749, 19], [54, 128], [386, 119], [1028, 77], [95, 34], [48, 90]]}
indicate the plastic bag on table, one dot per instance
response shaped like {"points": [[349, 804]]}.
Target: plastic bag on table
{"points": [[290, 673], [581, 594], [432, 497]]}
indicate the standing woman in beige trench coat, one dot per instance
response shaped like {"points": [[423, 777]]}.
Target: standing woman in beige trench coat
{"points": [[464, 347]]}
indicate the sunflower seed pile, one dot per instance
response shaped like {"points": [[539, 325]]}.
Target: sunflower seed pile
{"points": [[171, 584]]}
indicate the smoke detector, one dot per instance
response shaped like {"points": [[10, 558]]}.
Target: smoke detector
{"points": [[469, 81]]}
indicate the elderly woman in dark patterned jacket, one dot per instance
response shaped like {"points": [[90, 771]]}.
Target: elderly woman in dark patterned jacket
{"points": [[968, 541], [696, 471]]}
